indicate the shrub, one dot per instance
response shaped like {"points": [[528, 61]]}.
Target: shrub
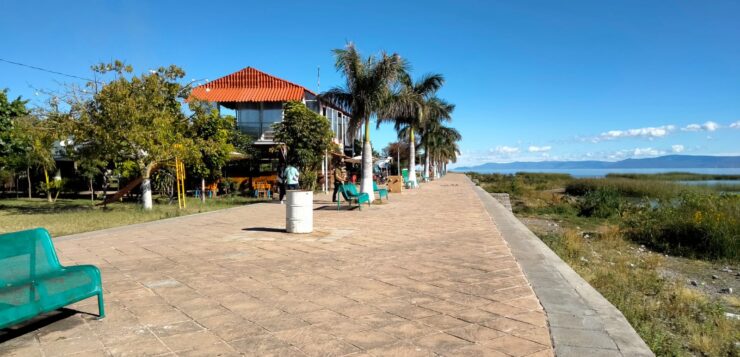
{"points": [[308, 137], [701, 225], [628, 187], [603, 202]]}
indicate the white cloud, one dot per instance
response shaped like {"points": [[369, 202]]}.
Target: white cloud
{"points": [[539, 148], [505, 150], [708, 126], [636, 152], [677, 148], [735, 125], [647, 152], [648, 132]]}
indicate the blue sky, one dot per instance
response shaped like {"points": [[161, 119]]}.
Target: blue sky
{"points": [[532, 80]]}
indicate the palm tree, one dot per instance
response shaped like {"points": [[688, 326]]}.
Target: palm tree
{"points": [[408, 109], [364, 95], [441, 146], [438, 111]]}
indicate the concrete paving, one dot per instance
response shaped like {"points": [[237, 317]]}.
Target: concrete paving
{"points": [[582, 322], [427, 273]]}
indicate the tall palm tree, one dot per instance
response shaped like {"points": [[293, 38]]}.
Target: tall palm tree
{"points": [[364, 95], [408, 109], [441, 146], [438, 112]]}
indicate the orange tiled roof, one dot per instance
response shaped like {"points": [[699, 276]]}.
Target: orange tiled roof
{"points": [[249, 85]]}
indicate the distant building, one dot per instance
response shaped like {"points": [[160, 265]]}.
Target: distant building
{"points": [[258, 100]]}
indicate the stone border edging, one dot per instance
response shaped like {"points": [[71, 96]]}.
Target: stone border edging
{"points": [[581, 321]]}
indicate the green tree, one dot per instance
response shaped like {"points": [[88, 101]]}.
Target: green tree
{"points": [[307, 137], [35, 138], [399, 151], [216, 137], [440, 146], [11, 148], [365, 93], [409, 109], [137, 119]]}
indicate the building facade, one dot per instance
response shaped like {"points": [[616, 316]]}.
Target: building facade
{"points": [[258, 99]]}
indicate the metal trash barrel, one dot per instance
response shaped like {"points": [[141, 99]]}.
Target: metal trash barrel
{"points": [[299, 212]]}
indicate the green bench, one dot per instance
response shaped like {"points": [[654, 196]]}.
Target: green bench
{"points": [[381, 191], [349, 192], [33, 282]]}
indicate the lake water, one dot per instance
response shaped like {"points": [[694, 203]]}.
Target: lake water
{"points": [[604, 172]]}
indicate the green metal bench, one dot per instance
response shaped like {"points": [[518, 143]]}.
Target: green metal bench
{"points": [[349, 192], [33, 282], [381, 191]]}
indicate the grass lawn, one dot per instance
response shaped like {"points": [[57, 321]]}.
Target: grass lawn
{"points": [[69, 216]]}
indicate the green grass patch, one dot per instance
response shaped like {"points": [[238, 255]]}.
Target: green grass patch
{"points": [[672, 319], [694, 225], [675, 176], [69, 216], [628, 187]]}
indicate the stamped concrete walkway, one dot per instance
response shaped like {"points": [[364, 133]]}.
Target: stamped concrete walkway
{"points": [[425, 274]]}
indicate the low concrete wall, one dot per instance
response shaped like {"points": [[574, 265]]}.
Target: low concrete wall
{"points": [[582, 322], [503, 199]]}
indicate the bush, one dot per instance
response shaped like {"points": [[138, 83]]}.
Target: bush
{"points": [[519, 183], [308, 137], [695, 225], [628, 188], [603, 202]]}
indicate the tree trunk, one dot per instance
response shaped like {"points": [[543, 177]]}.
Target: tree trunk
{"points": [[436, 169], [366, 184], [28, 176], [427, 162], [92, 192], [412, 158], [203, 190], [48, 190], [146, 187]]}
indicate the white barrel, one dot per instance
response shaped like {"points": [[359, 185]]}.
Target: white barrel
{"points": [[299, 212]]}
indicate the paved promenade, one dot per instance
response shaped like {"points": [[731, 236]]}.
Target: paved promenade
{"points": [[426, 274]]}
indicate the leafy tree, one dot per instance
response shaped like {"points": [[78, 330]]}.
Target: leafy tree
{"points": [[10, 111], [364, 95], [89, 166], [216, 137], [399, 151], [137, 119], [35, 138], [307, 137]]}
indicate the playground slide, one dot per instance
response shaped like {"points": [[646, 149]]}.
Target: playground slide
{"points": [[116, 196]]}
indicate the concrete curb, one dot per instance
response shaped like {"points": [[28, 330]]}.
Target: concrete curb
{"points": [[582, 322]]}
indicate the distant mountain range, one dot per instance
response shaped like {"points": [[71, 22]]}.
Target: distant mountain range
{"points": [[662, 162]]}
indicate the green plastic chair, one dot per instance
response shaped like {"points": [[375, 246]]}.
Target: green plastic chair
{"points": [[33, 282], [381, 191], [349, 192]]}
